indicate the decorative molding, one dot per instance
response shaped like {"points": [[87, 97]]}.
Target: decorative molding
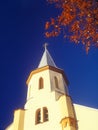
{"points": [[69, 121]]}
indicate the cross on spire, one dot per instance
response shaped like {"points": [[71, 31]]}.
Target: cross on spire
{"points": [[46, 58], [45, 45]]}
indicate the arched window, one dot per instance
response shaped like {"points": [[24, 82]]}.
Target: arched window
{"points": [[41, 83], [56, 82], [41, 115], [38, 116], [45, 114]]}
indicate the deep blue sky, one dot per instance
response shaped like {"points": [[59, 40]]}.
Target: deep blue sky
{"points": [[21, 47]]}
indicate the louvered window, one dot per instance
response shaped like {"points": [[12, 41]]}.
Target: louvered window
{"points": [[38, 116]]}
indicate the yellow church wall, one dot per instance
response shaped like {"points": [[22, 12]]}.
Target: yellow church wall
{"points": [[87, 117], [53, 109], [48, 96], [33, 85], [18, 119], [66, 106]]}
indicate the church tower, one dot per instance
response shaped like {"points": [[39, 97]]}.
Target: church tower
{"points": [[48, 104]]}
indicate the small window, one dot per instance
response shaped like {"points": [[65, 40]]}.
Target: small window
{"points": [[56, 82], [38, 116], [41, 83], [45, 114]]}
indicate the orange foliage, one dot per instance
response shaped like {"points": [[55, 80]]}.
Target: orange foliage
{"points": [[78, 21]]}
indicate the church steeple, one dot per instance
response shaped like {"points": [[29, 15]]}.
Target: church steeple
{"points": [[46, 58], [48, 100]]}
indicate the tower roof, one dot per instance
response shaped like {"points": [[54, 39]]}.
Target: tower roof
{"points": [[46, 58]]}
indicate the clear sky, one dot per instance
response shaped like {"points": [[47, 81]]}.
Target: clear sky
{"points": [[21, 47]]}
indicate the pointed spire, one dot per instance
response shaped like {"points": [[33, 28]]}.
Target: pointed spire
{"points": [[46, 58]]}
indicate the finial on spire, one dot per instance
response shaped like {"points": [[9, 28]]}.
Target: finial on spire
{"points": [[45, 45]]}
